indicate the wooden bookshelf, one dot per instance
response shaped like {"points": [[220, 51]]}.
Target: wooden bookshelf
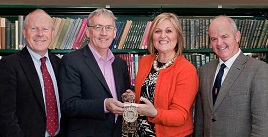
{"points": [[146, 10]]}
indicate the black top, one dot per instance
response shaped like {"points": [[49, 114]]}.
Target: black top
{"points": [[146, 128]]}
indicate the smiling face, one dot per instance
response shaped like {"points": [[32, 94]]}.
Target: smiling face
{"points": [[101, 39], [223, 39], [38, 31], [165, 37]]}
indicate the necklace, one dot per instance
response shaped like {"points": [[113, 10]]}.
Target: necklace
{"points": [[156, 68]]}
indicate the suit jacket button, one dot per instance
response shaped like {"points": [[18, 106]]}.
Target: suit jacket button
{"points": [[213, 120]]}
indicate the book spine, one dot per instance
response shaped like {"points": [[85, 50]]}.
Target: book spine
{"points": [[122, 26], [3, 33], [12, 36], [112, 46], [16, 35], [20, 35], [80, 34], [145, 42], [124, 35], [8, 34]]}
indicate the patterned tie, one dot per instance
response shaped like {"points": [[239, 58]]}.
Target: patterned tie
{"points": [[51, 104], [217, 83]]}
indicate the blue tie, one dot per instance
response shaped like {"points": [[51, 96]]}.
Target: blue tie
{"points": [[217, 83]]}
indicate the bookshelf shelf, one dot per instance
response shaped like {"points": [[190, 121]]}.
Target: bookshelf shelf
{"points": [[256, 50], [8, 51], [197, 50]]}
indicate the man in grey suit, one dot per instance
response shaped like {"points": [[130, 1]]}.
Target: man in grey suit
{"points": [[241, 102], [92, 81]]}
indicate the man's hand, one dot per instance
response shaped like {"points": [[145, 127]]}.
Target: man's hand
{"points": [[128, 96], [114, 106]]}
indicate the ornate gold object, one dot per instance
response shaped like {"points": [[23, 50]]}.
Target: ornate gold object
{"points": [[130, 115]]}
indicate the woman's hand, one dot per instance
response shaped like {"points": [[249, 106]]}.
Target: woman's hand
{"points": [[146, 109]]}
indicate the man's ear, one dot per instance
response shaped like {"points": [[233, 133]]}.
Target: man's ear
{"points": [[237, 36]]}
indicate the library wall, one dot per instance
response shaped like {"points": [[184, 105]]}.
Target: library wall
{"points": [[69, 19]]}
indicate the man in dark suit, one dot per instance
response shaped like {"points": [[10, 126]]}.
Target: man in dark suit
{"points": [[237, 107], [93, 80], [23, 94]]}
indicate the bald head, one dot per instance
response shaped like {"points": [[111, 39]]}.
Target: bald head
{"points": [[224, 20], [37, 15]]}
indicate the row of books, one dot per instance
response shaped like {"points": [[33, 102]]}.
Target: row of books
{"points": [[70, 33], [133, 35], [198, 59], [195, 32], [253, 32], [11, 36], [133, 64]]}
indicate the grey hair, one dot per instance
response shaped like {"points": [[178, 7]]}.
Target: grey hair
{"points": [[101, 11]]}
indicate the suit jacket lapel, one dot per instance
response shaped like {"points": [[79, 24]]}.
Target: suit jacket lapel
{"points": [[91, 62], [232, 75], [30, 71]]}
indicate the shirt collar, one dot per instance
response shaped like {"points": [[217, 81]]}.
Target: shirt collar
{"points": [[36, 56], [97, 56], [230, 61]]}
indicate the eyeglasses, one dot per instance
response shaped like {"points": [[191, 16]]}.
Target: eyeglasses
{"points": [[100, 27]]}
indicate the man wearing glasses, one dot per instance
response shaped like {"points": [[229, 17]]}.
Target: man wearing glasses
{"points": [[92, 81]]}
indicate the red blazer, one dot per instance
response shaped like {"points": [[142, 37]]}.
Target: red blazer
{"points": [[175, 93]]}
